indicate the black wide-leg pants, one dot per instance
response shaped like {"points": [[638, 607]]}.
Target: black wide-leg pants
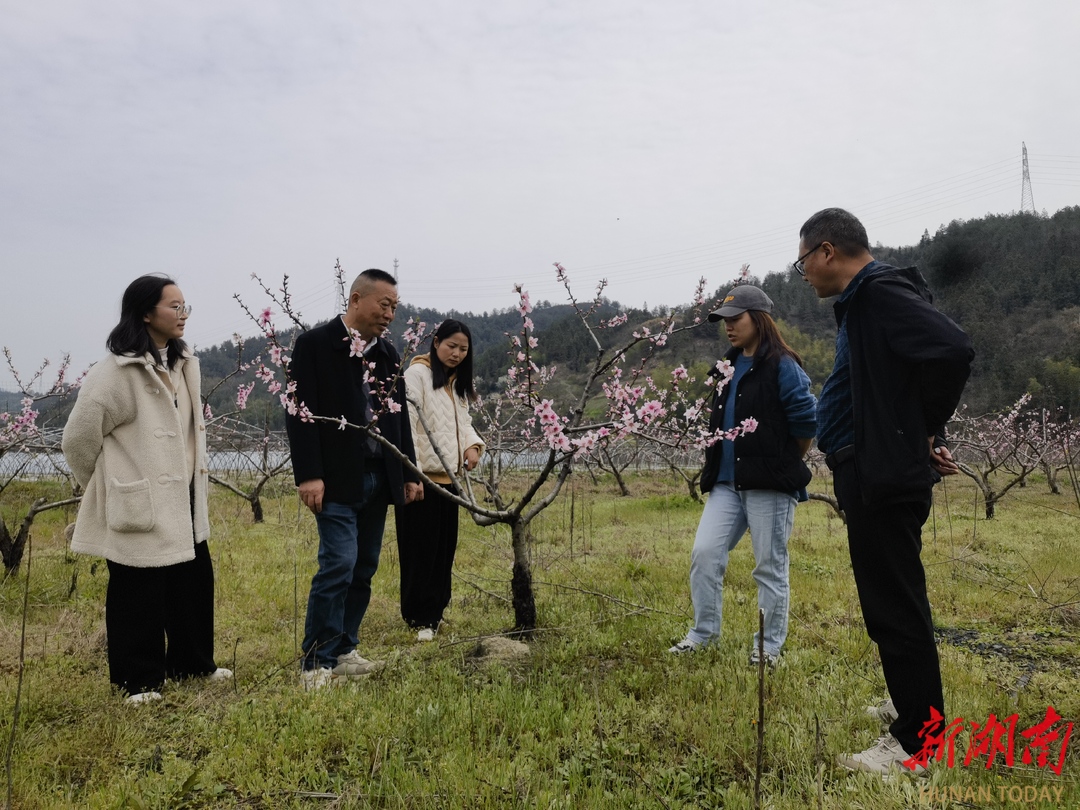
{"points": [[427, 534], [885, 542], [160, 622]]}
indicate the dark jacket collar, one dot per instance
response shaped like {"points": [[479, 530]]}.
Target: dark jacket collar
{"points": [[875, 271], [340, 334]]}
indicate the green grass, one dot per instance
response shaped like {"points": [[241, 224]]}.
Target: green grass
{"points": [[597, 716]]}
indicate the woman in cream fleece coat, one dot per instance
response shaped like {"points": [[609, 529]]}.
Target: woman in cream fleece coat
{"points": [[439, 386], [136, 443]]}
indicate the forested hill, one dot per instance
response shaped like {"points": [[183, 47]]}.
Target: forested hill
{"points": [[1012, 282]]}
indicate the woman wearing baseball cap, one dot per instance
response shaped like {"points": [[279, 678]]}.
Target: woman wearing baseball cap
{"points": [[754, 481]]}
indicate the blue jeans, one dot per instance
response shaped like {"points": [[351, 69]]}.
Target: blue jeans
{"points": [[728, 513], [350, 540]]}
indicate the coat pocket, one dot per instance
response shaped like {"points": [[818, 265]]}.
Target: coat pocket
{"points": [[129, 507]]}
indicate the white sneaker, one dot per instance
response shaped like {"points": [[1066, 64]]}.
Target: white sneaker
{"points": [[352, 666], [884, 712], [220, 674], [426, 634], [312, 679], [142, 697], [770, 660], [685, 646], [885, 757]]}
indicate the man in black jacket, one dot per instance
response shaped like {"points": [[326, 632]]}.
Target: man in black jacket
{"points": [[346, 372], [899, 372]]}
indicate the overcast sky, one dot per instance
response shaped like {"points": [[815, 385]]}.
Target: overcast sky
{"points": [[478, 142]]}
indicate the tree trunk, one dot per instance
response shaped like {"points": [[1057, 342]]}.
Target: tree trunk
{"points": [[10, 551], [831, 501], [521, 583], [1051, 477], [691, 486], [256, 499], [623, 489], [11, 548], [251, 497], [989, 498]]}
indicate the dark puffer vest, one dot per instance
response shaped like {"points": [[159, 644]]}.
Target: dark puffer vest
{"points": [[768, 458]]}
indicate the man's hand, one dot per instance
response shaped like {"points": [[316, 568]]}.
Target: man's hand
{"points": [[414, 492], [941, 459], [311, 493]]}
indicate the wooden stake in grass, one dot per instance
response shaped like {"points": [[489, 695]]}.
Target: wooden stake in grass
{"points": [[573, 498], [9, 754], [760, 708]]}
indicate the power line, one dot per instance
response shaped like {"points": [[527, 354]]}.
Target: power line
{"points": [[926, 201]]}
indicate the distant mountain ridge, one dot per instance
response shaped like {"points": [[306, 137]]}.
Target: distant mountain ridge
{"points": [[1011, 281], [10, 401]]}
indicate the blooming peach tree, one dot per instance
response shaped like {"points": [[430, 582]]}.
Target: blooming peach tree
{"points": [[253, 454], [999, 451], [24, 442], [523, 419], [1067, 440]]}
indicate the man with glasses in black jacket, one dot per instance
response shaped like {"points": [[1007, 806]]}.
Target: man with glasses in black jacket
{"points": [[899, 372]]}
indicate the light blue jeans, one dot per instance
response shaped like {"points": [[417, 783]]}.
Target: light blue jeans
{"points": [[728, 513]]}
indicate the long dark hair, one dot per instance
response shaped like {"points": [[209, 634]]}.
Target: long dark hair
{"points": [[771, 344], [130, 335], [463, 382]]}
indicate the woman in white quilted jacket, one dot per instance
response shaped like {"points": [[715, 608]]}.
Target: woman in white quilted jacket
{"points": [[136, 443], [439, 387]]}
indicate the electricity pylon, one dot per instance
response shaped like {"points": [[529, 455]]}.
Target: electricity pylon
{"points": [[1027, 202]]}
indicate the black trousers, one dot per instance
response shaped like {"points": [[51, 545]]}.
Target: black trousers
{"points": [[146, 606], [427, 534], [885, 542]]}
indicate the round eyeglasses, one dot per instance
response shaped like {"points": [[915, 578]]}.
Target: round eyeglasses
{"points": [[181, 310]]}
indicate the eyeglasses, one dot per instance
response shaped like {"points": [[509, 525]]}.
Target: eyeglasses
{"points": [[798, 265], [181, 310]]}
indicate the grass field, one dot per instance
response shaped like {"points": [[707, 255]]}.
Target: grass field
{"points": [[598, 715]]}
